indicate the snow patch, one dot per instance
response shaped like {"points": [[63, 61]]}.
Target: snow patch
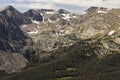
{"points": [[33, 32], [38, 27], [111, 32], [49, 20], [49, 12], [23, 26], [102, 12], [43, 19], [66, 16], [37, 22], [109, 9], [74, 16], [83, 13], [41, 14]]}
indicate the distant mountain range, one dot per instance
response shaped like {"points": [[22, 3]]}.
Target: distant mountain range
{"points": [[35, 34]]}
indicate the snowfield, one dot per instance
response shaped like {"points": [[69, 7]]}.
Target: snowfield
{"points": [[111, 32], [102, 12]]}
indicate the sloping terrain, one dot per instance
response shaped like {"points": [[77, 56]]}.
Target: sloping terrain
{"points": [[59, 45], [12, 41], [85, 60], [15, 16], [97, 22]]}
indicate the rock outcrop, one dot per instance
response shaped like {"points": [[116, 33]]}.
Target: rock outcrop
{"points": [[15, 16], [12, 40]]}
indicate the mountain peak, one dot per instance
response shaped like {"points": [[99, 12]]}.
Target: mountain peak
{"points": [[63, 11], [94, 8], [9, 7], [14, 15]]}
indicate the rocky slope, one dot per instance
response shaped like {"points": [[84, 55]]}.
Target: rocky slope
{"points": [[91, 59], [60, 16], [52, 29], [98, 21], [54, 24], [93, 23], [15, 45], [15, 16], [34, 15], [12, 40]]}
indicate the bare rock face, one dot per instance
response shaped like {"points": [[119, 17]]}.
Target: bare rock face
{"points": [[12, 62], [93, 8], [11, 36], [62, 11], [50, 15], [117, 40], [15, 16], [47, 42], [12, 40], [34, 15], [97, 21], [54, 29]]}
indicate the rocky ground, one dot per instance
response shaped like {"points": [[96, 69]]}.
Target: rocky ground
{"points": [[36, 34]]}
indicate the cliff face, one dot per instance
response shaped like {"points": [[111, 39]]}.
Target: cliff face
{"points": [[11, 36], [12, 40], [34, 15], [11, 62], [15, 16]]}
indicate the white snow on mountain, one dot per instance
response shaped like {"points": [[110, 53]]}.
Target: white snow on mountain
{"points": [[66, 16], [38, 27], [49, 20], [36, 22], [83, 13], [41, 14], [102, 12], [109, 9], [32, 32], [74, 16], [23, 26], [111, 32], [49, 12]]}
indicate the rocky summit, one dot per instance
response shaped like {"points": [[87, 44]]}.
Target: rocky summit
{"points": [[59, 45], [12, 40], [15, 16]]}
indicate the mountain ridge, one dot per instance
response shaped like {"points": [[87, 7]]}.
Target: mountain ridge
{"points": [[33, 36]]}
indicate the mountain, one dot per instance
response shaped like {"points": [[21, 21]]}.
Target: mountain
{"points": [[10, 33], [85, 60], [62, 11], [93, 54], [55, 24], [60, 45], [15, 16], [97, 21], [50, 15], [12, 41], [34, 15], [95, 8]]}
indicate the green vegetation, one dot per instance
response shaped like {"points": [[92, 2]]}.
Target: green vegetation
{"points": [[64, 78], [2, 73], [72, 37], [77, 62]]}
